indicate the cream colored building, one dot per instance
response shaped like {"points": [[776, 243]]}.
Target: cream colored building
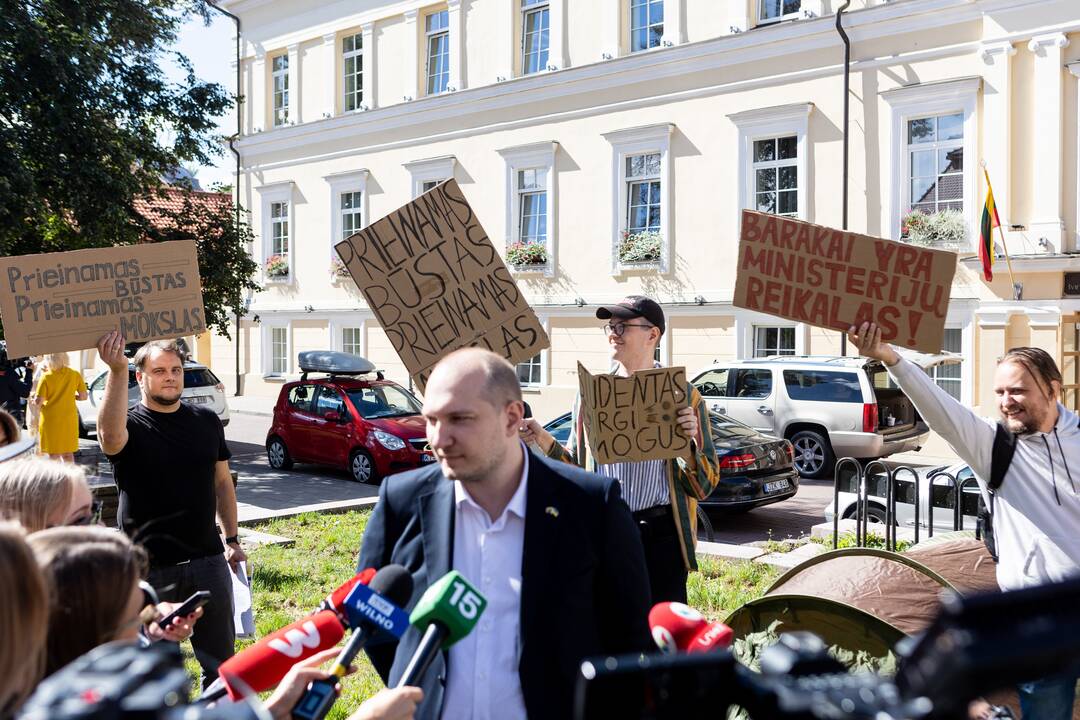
{"points": [[568, 122]]}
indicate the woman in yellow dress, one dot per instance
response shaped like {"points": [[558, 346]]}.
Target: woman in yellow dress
{"points": [[58, 428]]}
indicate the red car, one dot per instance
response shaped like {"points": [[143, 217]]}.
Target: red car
{"points": [[347, 419]]}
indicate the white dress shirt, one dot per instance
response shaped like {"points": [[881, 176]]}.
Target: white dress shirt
{"points": [[482, 680]]}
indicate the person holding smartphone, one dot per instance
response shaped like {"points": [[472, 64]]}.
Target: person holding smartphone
{"points": [[171, 466]]}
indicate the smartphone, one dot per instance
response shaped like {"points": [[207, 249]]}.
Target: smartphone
{"points": [[190, 605]]}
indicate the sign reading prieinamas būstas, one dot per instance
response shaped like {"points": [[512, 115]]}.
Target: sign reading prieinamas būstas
{"points": [[835, 279]]}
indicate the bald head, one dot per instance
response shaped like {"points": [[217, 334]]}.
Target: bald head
{"points": [[480, 371]]}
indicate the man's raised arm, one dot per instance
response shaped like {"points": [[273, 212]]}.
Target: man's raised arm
{"points": [[112, 414]]}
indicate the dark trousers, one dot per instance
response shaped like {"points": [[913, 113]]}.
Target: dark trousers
{"points": [[663, 554], [214, 635]]}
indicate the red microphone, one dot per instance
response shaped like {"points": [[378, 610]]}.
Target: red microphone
{"points": [[336, 600], [680, 628], [264, 664]]}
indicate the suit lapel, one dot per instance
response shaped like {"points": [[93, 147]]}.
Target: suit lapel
{"points": [[538, 555], [437, 524]]}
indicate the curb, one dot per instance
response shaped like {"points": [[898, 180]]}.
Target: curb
{"points": [[335, 507]]}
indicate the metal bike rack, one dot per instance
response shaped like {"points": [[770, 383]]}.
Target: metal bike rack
{"points": [[954, 487], [840, 464], [863, 521], [890, 511]]}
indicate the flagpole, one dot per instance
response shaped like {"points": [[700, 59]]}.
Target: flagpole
{"points": [[1001, 233]]}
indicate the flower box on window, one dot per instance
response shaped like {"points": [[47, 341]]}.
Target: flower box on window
{"points": [[640, 247], [277, 266], [526, 255], [943, 229], [338, 270]]}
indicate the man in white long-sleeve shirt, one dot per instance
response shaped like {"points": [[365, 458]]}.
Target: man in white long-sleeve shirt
{"points": [[1036, 509]]}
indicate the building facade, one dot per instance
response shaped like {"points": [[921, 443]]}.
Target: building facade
{"points": [[610, 144]]}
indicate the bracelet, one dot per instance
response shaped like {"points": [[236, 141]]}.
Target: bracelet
{"points": [[232, 540]]}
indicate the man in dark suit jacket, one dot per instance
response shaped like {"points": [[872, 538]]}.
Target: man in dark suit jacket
{"points": [[581, 588]]}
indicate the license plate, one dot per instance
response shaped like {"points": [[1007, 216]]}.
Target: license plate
{"points": [[776, 485], [426, 458], [198, 399]]}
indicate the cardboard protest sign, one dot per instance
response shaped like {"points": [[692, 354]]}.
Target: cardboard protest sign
{"points": [[634, 418], [437, 284], [56, 302], [835, 279]]}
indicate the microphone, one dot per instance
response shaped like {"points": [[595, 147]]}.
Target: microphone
{"points": [[373, 609], [677, 627], [336, 600], [447, 612], [261, 666]]}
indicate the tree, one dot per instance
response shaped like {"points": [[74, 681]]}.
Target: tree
{"points": [[89, 125]]}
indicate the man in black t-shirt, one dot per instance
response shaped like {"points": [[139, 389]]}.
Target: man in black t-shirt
{"points": [[171, 466]]}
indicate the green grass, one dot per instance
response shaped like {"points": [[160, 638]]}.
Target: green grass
{"points": [[288, 583], [873, 540]]}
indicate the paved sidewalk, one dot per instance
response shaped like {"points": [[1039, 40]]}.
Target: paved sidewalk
{"points": [[252, 405]]}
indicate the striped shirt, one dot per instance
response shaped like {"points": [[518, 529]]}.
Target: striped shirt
{"points": [[644, 484]]}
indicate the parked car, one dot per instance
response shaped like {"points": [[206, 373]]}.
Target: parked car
{"points": [[942, 497], [349, 417], [828, 407], [755, 469], [201, 387]]}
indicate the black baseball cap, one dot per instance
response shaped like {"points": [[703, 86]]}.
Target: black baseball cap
{"points": [[634, 306]]}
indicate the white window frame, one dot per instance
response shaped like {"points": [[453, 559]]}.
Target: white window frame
{"points": [[762, 20], [340, 183], [630, 25], [545, 361], [540, 6], [959, 379], [267, 349], [358, 55], [781, 121], [936, 145], [539, 357], [747, 320], [431, 169], [916, 101], [638, 141], [430, 35], [527, 157], [340, 322], [280, 192], [286, 92], [782, 326]]}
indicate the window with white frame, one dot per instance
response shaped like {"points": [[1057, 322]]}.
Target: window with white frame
{"points": [[534, 36], [935, 154], [776, 175], [777, 10], [278, 350], [428, 173], [641, 177], [646, 24], [280, 82], [947, 376], [352, 212], [352, 63], [429, 185], [532, 205], [643, 193], [279, 228], [438, 51], [773, 341], [352, 340], [529, 372]]}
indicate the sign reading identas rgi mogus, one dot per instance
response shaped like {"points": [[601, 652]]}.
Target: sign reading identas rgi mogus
{"points": [[57, 302], [436, 284]]}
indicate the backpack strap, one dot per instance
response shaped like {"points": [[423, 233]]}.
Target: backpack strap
{"points": [[1001, 456]]}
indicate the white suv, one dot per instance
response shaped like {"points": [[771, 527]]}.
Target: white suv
{"points": [[828, 407]]}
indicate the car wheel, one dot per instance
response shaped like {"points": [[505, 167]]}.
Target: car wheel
{"points": [[875, 514], [704, 525], [278, 454], [813, 454], [361, 466]]}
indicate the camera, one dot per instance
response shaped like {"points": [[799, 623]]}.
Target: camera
{"points": [[124, 681]]}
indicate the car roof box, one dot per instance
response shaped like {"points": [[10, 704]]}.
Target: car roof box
{"points": [[335, 363]]}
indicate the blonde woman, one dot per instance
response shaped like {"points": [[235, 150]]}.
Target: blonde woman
{"points": [[41, 494], [24, 615], [58, 427]]}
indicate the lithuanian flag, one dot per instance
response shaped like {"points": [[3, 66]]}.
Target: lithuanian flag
{"points": [[990, 221]]}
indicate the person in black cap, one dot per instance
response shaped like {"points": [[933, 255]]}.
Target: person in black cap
{"points": [[662, 494]]}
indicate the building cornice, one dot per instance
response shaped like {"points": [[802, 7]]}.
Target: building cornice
{"points": [[1034, 263], [779, 113]]}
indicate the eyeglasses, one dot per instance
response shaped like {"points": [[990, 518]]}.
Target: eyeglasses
{"points": [[617, 329], [94, 518]]}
